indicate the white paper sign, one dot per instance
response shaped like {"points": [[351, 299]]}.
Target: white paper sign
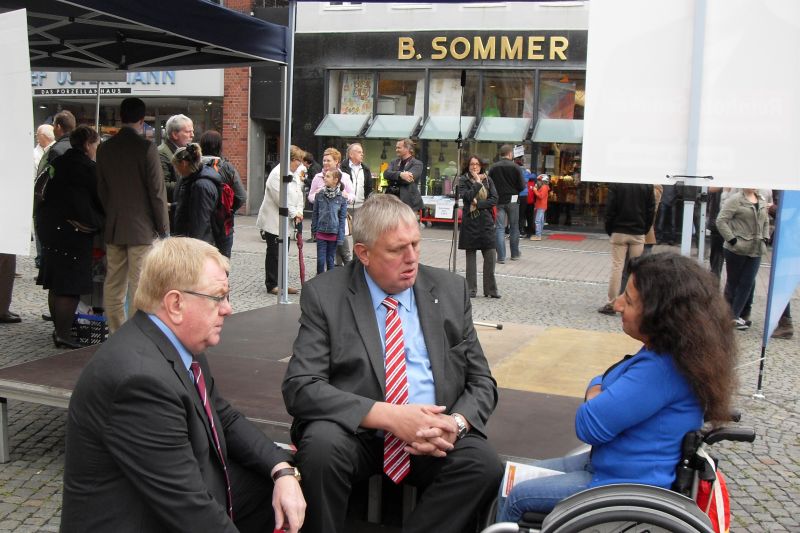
{"points": [[444, 209], [16, 145]]}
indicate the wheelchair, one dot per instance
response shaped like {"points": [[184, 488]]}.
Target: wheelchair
{"points": [[635, 508]]}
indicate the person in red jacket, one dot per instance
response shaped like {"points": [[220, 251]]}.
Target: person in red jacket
{"points": [[541, 192]]}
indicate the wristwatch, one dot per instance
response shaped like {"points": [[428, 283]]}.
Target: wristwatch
{"points": [[291, 471], [462, 425]]}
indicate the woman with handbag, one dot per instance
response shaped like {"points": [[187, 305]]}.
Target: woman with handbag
{"points": [[68, 217], [479, 194]]}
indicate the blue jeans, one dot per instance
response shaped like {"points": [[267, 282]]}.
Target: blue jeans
{"points": [[742, 271], [326, 253], [539, 221], [540, 495], [507, 214]]}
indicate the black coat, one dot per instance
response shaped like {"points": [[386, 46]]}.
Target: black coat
{"points": [[477, 232], [630, 208], [407, 192], [196, 196]]}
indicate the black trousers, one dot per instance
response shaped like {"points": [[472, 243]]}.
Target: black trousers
{"points": [[716, 257], [252, 500], [454, 489], [271, 262]]}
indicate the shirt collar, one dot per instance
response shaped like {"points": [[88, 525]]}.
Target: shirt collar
{"points": [[186, 357], [378, 295], [354, 165]]}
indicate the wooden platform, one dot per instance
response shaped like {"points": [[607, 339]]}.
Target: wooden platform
{"points": [[249, 366]]}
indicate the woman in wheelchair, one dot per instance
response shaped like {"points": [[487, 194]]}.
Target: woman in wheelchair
{"points": [[636, 414]]}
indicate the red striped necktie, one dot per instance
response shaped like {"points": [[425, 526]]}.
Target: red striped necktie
{"points": [[396, 462], [200, 383]]}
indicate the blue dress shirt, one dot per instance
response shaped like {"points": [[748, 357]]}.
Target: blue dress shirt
{"points": [[421, 388]]}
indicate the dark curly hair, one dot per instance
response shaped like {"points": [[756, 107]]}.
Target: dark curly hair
{"points": [[684, 315]]}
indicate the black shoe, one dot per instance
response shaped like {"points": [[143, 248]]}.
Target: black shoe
{"points": [[10, 318], [473, 294], [70, 343], [607, 309], [493, 296], [46, 317]]}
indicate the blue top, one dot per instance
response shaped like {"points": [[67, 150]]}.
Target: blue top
{"points": [[421, 388], [330, 214], [636, 424], [526, 176]]}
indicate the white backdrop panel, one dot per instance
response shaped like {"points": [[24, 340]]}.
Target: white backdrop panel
{"points": [[638, 82], [16, 139], [637, 90], [750, 112]]}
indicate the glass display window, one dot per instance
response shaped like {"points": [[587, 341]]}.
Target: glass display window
{"points": [[445, 93], [351, 92], [507, 94], [562, 94], [442, 167], [401, 93]]}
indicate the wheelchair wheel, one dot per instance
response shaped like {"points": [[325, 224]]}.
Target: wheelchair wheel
{"points": [[627, 508]]}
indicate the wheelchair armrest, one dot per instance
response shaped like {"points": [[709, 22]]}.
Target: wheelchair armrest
{"points": [[732, 434]]}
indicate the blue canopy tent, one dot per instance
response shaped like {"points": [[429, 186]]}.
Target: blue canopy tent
{"points": [[145, 35], [125, 35]]}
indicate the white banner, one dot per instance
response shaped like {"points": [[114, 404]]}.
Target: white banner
{"points": [[16, 145], [638, 84], [202, 83]]}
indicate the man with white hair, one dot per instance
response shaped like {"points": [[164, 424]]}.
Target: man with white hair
{"points": [[179, 133], [45, 138]]}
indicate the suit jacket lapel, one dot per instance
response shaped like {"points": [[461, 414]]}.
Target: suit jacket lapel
{"points": [[171, 355], [430, 319], [361, 305]]}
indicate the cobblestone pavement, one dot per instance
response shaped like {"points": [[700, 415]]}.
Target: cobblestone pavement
{"points": [[556, 283]]}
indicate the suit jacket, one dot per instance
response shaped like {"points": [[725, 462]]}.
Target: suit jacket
{"points": [[139, 450], [337, 372], [131, 188], [407, 192]]}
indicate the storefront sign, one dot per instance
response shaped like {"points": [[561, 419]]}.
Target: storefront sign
{"points": [[481, 48], [205, 83]]}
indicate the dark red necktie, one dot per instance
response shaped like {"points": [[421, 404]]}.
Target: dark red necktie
{"points": [[200, 383], [396, 462]]}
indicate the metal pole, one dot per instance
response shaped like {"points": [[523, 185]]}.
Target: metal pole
{"points": [[285, 162], [759, 394], [701, 226], [97, 110], [698, 40]]}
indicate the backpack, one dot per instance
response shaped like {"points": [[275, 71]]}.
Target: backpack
{"points": [[712, 494], [222, 217], [40, 185]]}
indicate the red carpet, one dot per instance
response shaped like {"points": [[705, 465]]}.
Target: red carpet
{"points": [[566, 237]]}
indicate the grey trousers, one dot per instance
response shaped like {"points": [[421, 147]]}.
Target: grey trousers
{"points": [[489, 283]]}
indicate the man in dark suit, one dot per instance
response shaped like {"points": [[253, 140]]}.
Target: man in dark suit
{"points": [[141, 451], [131, 189], [405, 174], [353, 418]]}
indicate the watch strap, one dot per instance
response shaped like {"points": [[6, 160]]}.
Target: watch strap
{"points": [[289, 471]]}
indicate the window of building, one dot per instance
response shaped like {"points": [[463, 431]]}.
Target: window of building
{"points": [[445, 93], [351, 92], [507, 94], [562, 94], [401, 93]]}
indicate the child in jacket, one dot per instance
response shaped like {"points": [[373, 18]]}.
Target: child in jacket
{"points": [[328, 219]]}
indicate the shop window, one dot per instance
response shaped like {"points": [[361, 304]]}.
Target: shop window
{"points": [[401, 93], [445, 94], [507, 94], [562, 94], [351, 92], [443, 165]]}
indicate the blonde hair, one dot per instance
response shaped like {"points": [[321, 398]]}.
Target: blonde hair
{"points": [[378, 214], [296, 154], [173, 263], [334, 153]]}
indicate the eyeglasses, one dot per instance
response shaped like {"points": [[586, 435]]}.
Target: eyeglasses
{"points": [[474, 164], [217, 299]]}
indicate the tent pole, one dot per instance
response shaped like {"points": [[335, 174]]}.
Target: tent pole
{"points": [[97, 110], [285, 161], [759, 394]]}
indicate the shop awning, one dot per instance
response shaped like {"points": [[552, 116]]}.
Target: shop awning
{"points": [[446, 128], [503, 129], [558, 130], [337, 125], [392, 127], [73, 35]]}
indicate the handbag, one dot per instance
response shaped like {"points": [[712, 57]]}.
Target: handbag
{"points": [[40, 185]]}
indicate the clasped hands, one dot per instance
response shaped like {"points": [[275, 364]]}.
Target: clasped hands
{"points": [[407, 176], [425, 429]]}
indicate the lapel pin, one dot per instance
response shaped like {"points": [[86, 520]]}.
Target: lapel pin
{"points": [[436, 300]]}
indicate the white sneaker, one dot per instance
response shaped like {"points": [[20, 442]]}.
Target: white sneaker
{"points": [[740, 324]]}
